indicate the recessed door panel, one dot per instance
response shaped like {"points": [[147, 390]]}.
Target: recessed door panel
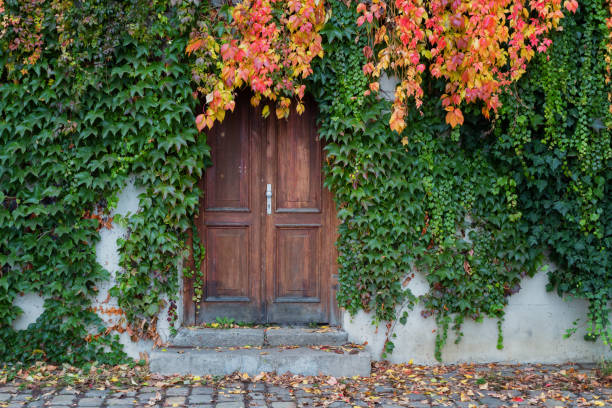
{"points": [[228, 263], [228, 177], [297, 269], [298, 164]]}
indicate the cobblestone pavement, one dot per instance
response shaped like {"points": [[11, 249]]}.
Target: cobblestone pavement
{"points": [[391, 386]]}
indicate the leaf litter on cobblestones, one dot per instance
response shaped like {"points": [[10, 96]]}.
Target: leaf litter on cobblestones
{"points": [[401, 384]]}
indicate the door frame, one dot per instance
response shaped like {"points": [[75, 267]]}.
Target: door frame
{"points": [[327, 201]]}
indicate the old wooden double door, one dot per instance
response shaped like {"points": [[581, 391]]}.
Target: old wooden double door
{"points": [[266, 221]]}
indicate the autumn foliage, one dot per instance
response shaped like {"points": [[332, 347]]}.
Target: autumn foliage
{"points": [[266, 44], [478, 47]]}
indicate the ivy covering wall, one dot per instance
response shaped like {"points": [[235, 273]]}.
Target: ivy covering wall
{"points": [[473, 208], [74, 127]]}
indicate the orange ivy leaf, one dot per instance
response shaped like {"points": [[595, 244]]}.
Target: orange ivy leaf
{"points": [[454, 116], [194, 45], [397, 122]]}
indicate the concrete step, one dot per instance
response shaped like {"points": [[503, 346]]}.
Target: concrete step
{"points": [[302, 336], [224, 361], [281, 336], [206, 337]]}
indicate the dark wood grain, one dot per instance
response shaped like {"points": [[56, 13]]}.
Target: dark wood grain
{"points": [[260, 267], [231, 219]]}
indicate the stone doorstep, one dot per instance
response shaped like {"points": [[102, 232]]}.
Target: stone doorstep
{"points": [[305, 337], [302, 360], [207, 337], [298, 336]]}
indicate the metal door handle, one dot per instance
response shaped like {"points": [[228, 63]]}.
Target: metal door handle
{"points": [[269, 199]]}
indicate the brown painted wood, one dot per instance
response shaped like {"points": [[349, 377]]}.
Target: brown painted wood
{"points": [[298, 235], [261, 267], [231, 219]]}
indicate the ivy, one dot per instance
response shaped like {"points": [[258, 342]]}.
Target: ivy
{"points": [[76, 123], [448, 203], [85, 104], [557, 137]]}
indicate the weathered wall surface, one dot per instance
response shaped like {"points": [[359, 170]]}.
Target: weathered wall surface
{"points": [[107, 255], [533, 329]]}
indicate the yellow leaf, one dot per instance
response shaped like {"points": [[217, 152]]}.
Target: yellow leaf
{"points": [[299, 108], [265, 112], [220, 115]]}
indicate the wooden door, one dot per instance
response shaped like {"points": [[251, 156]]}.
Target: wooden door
{"points": [[230, 223], [266, 221], [298, 233]]}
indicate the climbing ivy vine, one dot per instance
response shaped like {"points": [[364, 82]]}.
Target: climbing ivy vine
{"points": [[432, 190], [475, 208], [87, 105], [556, 134]]}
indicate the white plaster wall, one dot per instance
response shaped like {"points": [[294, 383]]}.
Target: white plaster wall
{"points": [[107, 255], [533, 331], [32, 305]]}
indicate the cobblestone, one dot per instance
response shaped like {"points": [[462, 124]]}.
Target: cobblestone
{"points": [[202, 390], [200, 399], [375, 392], [233, 404], [177, 392], [62, 400], [174, 401], [96, 393]]}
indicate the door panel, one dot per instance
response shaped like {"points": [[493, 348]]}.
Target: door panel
{"points": [[297, 269], [262, 266], [228, 263], [297, 249], [228, 177], [230, 220], [298, 165]]}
